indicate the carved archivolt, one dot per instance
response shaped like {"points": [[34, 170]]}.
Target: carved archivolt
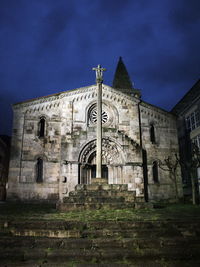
{"points": [[111, 153]]}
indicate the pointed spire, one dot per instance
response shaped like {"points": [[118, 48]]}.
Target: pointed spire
{"points": [[121, 78]]}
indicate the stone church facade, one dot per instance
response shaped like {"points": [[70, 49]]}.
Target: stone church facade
{"points": [[54, 143]]}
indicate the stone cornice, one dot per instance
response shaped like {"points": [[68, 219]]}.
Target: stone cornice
{"points": [[53, 97], [69, 93], [155, 108], [113, 94], [121, 94]]}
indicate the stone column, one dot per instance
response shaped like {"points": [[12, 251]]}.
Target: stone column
{"points": [[99, 81], [99, 131]]}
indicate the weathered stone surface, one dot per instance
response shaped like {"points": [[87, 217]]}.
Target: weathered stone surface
{"points": [[101, 243], [99, 181], [99, 195], [67, 147]]}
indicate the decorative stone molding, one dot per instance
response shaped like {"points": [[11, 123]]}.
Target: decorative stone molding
{"points": [[111, 152], [147, 108], [109, 92]]}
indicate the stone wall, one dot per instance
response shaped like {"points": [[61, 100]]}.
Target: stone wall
{"points": [[165, 145], [67, 148]]}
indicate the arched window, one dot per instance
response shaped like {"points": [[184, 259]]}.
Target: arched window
{"points": [[41, 130], [39, 170], [155, 172], [152, 134]]}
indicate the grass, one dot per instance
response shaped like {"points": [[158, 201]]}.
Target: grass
{"points": [[19, 211]]}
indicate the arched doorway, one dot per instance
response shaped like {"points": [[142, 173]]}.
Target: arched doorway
{"points": [[92, 164], [112, 158]]}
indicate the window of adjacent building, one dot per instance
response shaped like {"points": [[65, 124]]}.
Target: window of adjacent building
{"points": [[152, 134], [39, 170], [155, 172], [41, 132], [196, 140], [193, 120]]}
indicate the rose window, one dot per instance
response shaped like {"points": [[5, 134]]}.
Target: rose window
{"points": [[93, 116]]}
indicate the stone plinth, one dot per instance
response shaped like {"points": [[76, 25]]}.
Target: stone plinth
{"points": [[97, 195], [99, 181]]}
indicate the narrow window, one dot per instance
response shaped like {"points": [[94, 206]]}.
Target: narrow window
{"points": [[64, 180], [193, 120], [152, 134], [42, 127], [155, 171], [39, 170], [196, 141]]}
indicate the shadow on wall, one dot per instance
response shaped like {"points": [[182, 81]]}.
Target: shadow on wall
{"points": [[4, 164]]}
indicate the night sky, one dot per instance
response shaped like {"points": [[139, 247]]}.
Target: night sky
{"points": [[48, 46]]}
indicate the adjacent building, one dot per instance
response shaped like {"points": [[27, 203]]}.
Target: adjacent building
{"points": [[187, 111]]}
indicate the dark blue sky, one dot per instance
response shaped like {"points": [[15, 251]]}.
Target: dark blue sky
{"points": [[48, 46]]}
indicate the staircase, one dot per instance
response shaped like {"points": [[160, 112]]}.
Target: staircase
{"points": [[99, 194], [100, 243]]}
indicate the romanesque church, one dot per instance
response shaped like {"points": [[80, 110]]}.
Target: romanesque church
{"points": [[54, 143]]}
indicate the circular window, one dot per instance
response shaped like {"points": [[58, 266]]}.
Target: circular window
{"points": [[93, 116]]}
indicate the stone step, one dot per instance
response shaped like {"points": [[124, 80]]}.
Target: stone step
{"points": [[93, 206], [97, 199], [100, 243], [93, 233], [131, 234], [102, 193], [99, 181], [150, 224], [98, 187], [98, 254], [120, 263], [186, 226]]}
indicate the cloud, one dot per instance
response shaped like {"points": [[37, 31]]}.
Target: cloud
{"points": [[184, 14], [56, 22], [47, 46]]}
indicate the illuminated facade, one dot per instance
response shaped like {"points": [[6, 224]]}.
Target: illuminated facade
{"points": [[54, 143]]}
